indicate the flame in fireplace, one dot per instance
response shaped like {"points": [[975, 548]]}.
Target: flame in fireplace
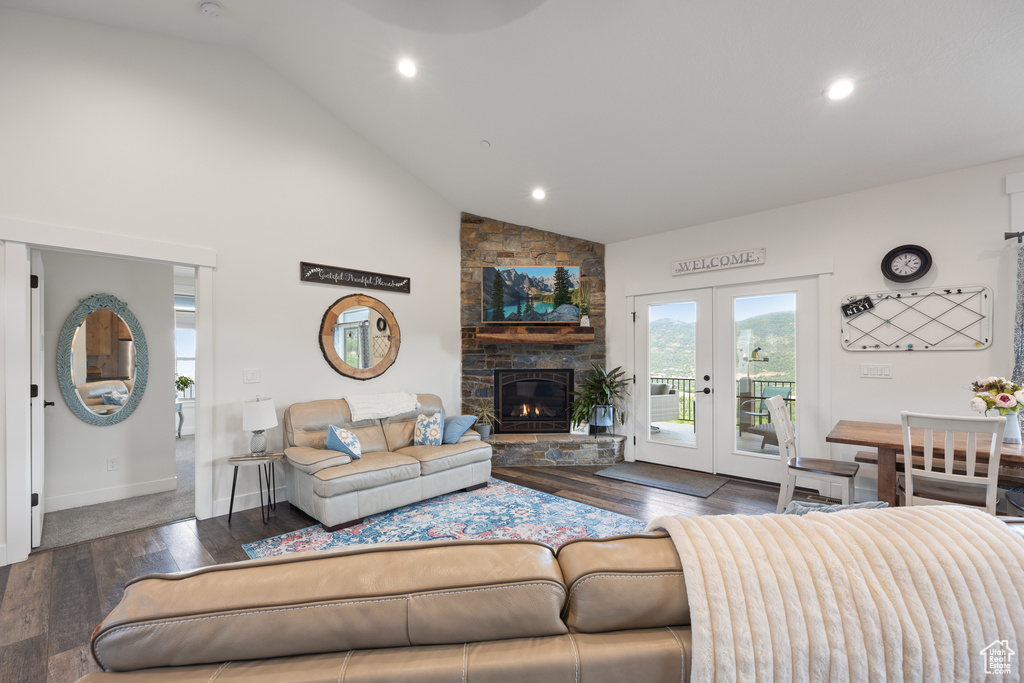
{"points": [[524, 411]]}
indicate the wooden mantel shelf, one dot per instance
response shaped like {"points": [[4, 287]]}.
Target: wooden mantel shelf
{"points": [[534, 334]]}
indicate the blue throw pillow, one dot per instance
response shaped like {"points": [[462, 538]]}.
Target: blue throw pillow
{"points": [[429, 430], [457, 425], [344, 441], [114, 399]]}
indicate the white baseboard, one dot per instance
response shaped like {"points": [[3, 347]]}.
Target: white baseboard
{"points": [[75, 500], [247, 501], [3, 555]]}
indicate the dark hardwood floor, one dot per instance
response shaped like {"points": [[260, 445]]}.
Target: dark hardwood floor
{"points": [[50, 604]]}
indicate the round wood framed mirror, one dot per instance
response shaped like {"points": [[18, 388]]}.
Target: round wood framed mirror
{"points": [[102, 361], [359, 337]]}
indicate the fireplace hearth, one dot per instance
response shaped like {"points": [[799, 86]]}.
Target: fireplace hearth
{"points": [[532, 401]]}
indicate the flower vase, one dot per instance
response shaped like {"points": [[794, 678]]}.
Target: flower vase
{"points": [[1012, 432]]}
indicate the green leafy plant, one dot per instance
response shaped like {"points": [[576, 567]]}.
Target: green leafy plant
{"points": [[600, 388], [182, 383], [581, 297], [484, 411]]}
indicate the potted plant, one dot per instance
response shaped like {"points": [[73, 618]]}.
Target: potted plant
{"points": [[486, 418], [581, 297], [182, 383], [599, 398]]}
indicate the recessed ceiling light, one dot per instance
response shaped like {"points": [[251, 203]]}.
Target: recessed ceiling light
{"points": [[839, 89], [407, 67], [539, 193], [211, 9]]}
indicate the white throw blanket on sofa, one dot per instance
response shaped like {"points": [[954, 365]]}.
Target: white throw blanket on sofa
{"points": [[904, 594], [376, 406]]}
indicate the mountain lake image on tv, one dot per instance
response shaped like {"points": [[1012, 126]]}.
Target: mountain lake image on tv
{"points": [[534, 294]]}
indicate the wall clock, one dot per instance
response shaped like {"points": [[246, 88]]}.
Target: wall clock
{"points": [[906, 263]]}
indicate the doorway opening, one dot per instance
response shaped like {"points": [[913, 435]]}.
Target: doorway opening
{"points": [[114, 484]]}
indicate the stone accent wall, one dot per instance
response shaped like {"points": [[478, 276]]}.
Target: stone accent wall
{"points": [[514, 450], [488, 242]]}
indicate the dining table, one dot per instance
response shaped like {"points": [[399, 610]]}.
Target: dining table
{"points": [[887, 439]]}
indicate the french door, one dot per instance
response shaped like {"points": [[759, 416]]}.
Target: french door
{"points": [[711, 357]]}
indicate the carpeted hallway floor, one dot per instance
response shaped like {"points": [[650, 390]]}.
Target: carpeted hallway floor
{"points": [[74, 525]]}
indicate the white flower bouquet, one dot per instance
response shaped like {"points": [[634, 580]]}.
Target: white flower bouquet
{"points": [[996, 393]]}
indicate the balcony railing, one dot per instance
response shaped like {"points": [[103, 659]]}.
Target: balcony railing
{"points": [[686, 389]]}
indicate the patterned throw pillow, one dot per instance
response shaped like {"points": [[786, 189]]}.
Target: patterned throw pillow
{"points": [[457, 425], [344, 441], [429, 430], [114, 399]]}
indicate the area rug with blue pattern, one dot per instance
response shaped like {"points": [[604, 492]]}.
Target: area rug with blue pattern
{"points": [[499, 510]]}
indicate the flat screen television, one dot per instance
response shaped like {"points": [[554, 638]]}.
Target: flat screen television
{"points": [[531, 294]]}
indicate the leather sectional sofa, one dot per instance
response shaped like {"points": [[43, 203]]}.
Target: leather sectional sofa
{"points": [[339, 491], [601, 610]]}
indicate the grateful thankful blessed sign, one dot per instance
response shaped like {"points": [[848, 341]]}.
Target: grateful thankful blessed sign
{"points": [[346, 277], [736, 259]]}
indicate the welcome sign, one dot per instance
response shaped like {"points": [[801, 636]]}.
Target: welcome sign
{"points": [[736, 259]]}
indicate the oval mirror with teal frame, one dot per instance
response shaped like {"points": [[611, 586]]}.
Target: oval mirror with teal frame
{"points": [[113, 413]]}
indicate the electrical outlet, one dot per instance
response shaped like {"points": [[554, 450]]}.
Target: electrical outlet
{"points": [[251, 375], [112, 464]]}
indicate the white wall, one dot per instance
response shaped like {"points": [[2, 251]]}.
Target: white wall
{"points": [[76, 453], [959, 217], [133, 134]]}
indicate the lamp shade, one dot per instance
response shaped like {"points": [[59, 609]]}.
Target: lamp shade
{"points": [[258, 414]]}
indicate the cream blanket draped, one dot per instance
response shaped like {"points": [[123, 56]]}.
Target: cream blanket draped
{"points": [[903, 594], [376, 406]]}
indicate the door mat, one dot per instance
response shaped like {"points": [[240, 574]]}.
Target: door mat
{"points": [[499, 510], [663, 477]]}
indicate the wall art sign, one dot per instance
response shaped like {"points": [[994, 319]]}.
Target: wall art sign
{"points": [[348, 277], [734, 259], [857, 306]]}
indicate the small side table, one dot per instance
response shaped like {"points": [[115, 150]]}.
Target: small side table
{"points": [[266, 459]]}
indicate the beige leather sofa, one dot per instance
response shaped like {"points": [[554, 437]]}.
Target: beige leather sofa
{"points": [[601, 610], [92, 393], [392, 472]]}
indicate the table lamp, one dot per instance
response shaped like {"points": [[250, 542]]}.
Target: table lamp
{"points": [[258, 415]]}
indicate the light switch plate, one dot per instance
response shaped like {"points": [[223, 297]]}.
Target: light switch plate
{"points": [[876, 370], [251, 375]]}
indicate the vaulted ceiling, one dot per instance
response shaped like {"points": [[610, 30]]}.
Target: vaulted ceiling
{"points": [[636, 117]]}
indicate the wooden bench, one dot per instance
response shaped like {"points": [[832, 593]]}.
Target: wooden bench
{"points": [[1009, 477]]}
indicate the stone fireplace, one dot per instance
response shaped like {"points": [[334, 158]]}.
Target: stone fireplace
{"points": [[532, 401], [540, 353]]}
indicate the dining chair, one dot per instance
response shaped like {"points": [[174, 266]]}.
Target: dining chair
{"points": [[755, 408], [831, 471], [925, 485]]}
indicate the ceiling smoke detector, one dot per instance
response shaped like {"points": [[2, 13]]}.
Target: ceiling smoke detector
{"points": [[210, 9]]}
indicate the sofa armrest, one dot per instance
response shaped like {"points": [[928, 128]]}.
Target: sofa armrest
{"points": [[311, 460], [470, 435], [388, 595]]}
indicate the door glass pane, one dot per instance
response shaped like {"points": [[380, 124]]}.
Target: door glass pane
{"points": [[673, 361], [765, 346]]}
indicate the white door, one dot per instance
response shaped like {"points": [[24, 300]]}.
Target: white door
{"points": [[37, 354], [710, 357], [674, 419], [768, 337]]}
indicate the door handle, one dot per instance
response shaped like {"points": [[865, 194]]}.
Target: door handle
{"points": [[707, 390], [47, 404]]}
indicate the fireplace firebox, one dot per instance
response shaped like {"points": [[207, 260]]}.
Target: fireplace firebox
{"points": [[532, 401]]}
